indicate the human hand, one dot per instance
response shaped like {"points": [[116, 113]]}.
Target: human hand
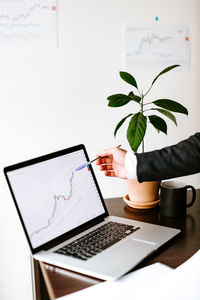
{"points": [[112, 162]]}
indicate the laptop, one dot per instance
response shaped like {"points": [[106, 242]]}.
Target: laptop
{"points": [[66, 222]]}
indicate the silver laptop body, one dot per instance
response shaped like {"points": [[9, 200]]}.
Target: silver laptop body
{"points": [[59, 203]]}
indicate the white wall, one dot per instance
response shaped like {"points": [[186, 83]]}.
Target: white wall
{"points": [[52, 99]]}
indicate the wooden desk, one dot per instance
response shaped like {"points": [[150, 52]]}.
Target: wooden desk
{"points": [[51, 282]]}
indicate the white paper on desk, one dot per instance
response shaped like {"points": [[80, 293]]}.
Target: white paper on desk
{"points": [[124, 287], [182, 283]]}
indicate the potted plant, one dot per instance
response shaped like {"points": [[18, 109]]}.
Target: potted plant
{"points": [[144, 195]]}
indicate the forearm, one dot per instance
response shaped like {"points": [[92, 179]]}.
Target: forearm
{"points": [[178, 160]]}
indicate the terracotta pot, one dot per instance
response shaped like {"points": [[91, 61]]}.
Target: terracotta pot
{"points": [[142, 195]]}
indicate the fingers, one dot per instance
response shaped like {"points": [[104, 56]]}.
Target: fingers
{"points": [[104, 160], [108, 170], [109, 173], [106, 167]]}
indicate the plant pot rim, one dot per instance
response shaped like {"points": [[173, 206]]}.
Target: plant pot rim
{"points": [[140, 205]]}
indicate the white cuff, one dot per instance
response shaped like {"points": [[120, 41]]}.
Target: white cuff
{"points": [[130, 165]]}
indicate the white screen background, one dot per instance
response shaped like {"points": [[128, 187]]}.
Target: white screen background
{"points": [[53, 198]]}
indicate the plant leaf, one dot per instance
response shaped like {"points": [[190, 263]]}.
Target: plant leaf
{"points": [[171, 105], [166, 113], [136, 130], [134, 97], [158, 123], [128, 78], [118, 100], [120, 124], [164, 71]]}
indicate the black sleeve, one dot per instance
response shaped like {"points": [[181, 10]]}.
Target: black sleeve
{"points": [[174, 161]]}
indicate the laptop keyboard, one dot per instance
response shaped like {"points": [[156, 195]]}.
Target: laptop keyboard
{"points": [[97, 240]]}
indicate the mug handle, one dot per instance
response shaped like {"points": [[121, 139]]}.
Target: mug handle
{"points": [[193, 195]]}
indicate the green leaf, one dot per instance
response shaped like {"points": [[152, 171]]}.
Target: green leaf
{"points": [[171, 105], [120, 124], [118, 100], [136, 130], [166, 113], [158, 123], [164, 71], [128, 78], [134, 97]]}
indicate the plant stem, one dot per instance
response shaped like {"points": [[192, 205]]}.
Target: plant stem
{"points": [[142, 111], [148, 91], [142, 102], [147, 103], [142, 146]]}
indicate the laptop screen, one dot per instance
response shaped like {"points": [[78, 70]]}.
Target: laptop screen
{"points": [[54, 196]]}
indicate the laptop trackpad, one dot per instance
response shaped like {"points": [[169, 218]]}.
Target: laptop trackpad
{"points": [[133, 249], [128, 254]]}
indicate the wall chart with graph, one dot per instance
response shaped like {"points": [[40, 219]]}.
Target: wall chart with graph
{"points": [[28, 23], [53, 198], [156, 47]]}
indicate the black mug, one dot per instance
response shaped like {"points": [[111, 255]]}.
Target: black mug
{"points": [[173, 198]]}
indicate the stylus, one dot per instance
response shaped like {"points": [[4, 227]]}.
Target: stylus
{"points": [[89, 162]]}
